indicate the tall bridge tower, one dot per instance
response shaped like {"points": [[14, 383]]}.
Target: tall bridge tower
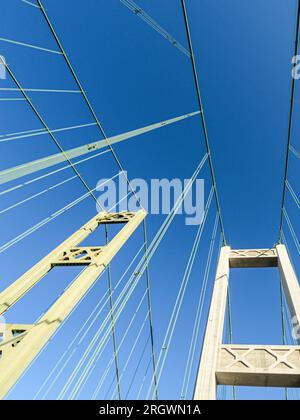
{"points": [[22, 343], [247, 365]]}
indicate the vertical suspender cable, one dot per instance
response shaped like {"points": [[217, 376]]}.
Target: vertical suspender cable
{"points": [[150, 309], [282, 324], [49, 131], [117, 161], [230, 330], [203, 118], [85, 96], [289, 128], [113, 327]]}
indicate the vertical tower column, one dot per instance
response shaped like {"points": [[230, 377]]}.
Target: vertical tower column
{"points": [[290, 284], [206, 384], [248, 365], [17, 352]]}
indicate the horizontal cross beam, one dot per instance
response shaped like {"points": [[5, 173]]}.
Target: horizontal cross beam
{"points": [[253, 258], [251, 365], [18, 352], [21, 286]]}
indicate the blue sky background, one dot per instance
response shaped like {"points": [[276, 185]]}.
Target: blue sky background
{"points": [[133, 78]]}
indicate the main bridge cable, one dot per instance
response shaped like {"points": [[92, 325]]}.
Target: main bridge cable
{"points": [[60, 147], [46, 175], [113, 327], [85, 97], [81, 334], [94, 115], [180, 297], [48, 219], [117, 161], [198, 316], [138, 11], [202, 117], [289, 127], [49, 131], [19, 171], [109, 145], [133, 281]]}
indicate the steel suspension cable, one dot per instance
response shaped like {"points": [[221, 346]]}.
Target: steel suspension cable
{"points": [[180, 297], [36, 112], [58, 329], [292, 230], [138, 11], [78, 162], [86, 98], [85, 328], [141, 266], [106, 371], [12, 99], [35, 47], [30, 3], [288, 250], [294, 151], [100, 347], [198, 317], [282, 324], [293, 194], [19, 171], [40, 90], [138, 272], [48, 219], [44, 191], [132, 351], [137, 367], [143, 380], [39, 132], [149, 307], [289, 126], [114, 338], [203, 338], [188, 33], [230, 329], [287, 316]]}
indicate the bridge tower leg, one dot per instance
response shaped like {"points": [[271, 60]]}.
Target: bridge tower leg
{"points": [[247, 365], [22, 343]]}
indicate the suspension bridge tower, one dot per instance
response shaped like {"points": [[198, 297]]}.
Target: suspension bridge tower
{"points": [[247, 365]]}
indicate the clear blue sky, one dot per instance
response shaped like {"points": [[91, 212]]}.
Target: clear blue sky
{"points": [[133, 78]]}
